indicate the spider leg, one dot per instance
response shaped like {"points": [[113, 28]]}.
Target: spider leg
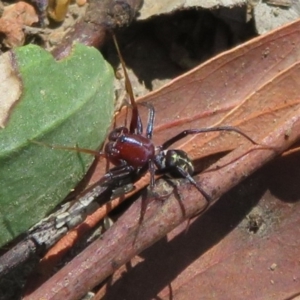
{"points": [[186, 175], [139, 126], [185, 133], [116, 174], [76, 149], [135, 123], [151, 116], [152, 173]]}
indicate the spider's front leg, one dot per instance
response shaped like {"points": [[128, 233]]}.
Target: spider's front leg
{"points": [[187, 132], [151, 116]]}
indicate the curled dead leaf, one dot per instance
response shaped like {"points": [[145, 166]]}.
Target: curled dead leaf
{"points": [[14, 17]]}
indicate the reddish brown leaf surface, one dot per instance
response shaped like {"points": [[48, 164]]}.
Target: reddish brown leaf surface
{"points": [[255, 87]]}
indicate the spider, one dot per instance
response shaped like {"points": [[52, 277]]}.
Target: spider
{"points": [[133, 152]]}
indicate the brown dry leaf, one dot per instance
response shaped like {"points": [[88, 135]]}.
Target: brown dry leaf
{"points": [[14, 17], [254, 87]]}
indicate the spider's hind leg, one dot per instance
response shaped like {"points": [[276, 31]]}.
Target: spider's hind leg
{"points": [[186, 175], [177, 163]]}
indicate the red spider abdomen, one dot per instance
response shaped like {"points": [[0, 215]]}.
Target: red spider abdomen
{"points": [[135, 150]]}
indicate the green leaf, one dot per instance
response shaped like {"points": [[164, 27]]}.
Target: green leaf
{"points": [[66, 103]]}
